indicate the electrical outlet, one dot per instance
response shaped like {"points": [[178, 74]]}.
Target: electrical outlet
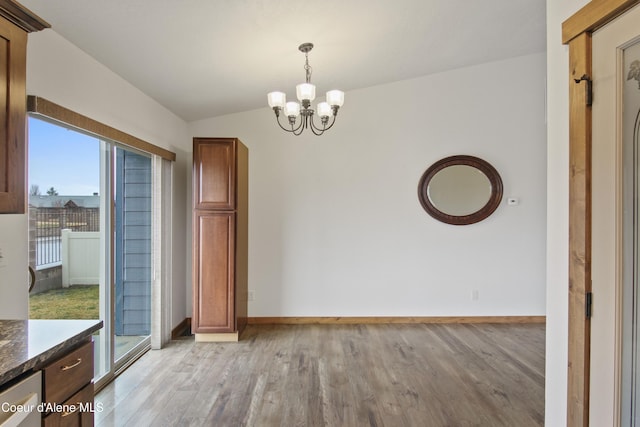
{"points": [[250, 296], [475, 295]]}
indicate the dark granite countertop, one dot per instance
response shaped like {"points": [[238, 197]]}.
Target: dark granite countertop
{"points": [[28, 344]]}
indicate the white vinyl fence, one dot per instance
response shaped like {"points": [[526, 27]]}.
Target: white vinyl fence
{"points": [[80, 257]]}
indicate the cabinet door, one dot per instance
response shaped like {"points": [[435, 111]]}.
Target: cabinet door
{"points": [[214, 272], [214, 174], [13, 49]]}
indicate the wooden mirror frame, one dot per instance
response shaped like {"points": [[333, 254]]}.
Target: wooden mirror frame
{"points": [[461, 160]]}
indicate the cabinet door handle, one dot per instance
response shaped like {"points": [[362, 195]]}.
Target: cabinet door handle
{"points": [[67, 367], [67, 413], [74, 408]]}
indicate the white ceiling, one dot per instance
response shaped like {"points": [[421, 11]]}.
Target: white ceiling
{"points": [[205, 58]]}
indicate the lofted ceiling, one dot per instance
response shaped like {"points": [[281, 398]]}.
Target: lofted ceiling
{"points": [[205, 58]]}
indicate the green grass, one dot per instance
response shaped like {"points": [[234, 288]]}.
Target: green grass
{"points": [[74, 302]]}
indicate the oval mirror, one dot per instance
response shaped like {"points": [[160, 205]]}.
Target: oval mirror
{"points": [[460, 190]]}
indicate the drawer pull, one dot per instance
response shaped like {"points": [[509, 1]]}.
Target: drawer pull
{"points": [[67, 367]]}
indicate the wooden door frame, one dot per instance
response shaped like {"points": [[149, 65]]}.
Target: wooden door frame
{"points": [[576, 32]]}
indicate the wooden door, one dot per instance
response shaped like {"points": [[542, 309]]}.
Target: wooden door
{"points": [[214, 271], [214, 163], [13, 63], [15, 22]]}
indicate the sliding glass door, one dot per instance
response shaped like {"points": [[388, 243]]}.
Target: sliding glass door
{"points": [[92, 237], [132, 252]]}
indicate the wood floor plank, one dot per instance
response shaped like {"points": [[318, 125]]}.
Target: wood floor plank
{"points": [[339, 375]]}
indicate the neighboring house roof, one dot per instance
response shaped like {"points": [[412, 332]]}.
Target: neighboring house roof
{"points": [[64, 201]]}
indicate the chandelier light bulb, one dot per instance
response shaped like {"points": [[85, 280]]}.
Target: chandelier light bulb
{"points": [[306, 91], [277, 99], [292, 109], [323, 109], [335, 98]]}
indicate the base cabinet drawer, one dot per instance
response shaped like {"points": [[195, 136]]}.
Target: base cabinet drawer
{"points": [[77, 411], [67, 375], [67, 389]]}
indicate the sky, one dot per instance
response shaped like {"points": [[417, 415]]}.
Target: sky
{"points": [[64, 159]]}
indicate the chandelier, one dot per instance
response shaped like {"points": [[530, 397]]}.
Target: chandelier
{"points": [[306, 92]]}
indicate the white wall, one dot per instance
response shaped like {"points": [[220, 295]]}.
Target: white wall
{"points": [[557, 211], [336, 228], [62, 73], [14, 277]]}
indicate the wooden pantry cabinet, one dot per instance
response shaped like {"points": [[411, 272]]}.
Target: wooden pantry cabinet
{"points": [[220, 238], [15, 23]]}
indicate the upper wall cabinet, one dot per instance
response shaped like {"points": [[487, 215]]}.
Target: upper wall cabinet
{"points": [[215, 174], [15, 22]]}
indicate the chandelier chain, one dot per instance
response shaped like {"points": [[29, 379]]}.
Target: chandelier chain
{"points": [[307, 68]]}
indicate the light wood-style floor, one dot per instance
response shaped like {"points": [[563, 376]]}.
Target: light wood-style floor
{"points": [[339, 375]]}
